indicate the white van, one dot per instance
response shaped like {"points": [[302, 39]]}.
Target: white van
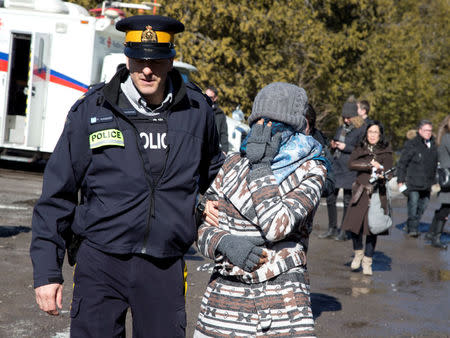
{"points": [[50, 53]]}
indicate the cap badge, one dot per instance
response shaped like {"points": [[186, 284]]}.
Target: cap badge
{"points": [[149, 35]]}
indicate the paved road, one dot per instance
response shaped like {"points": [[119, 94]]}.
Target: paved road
{"points": [[408, 295]]}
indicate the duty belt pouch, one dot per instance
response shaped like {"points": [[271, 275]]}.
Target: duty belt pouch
{"points": [[73, 243], [72, 249]]}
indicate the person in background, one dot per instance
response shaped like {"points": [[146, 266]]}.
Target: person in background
{"points": [[267, 196], [410, 134], [220, 118], [416, 171], [441, 214], [311, 130], [237, 130], [370, 159], [347, 137], [363, 111], [138, 150]]}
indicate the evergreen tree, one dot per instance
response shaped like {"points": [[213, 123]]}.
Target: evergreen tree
{"points": [[393, 53]]}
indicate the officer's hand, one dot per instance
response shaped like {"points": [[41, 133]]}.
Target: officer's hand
{"points": [[49, 297], [211, 213]]}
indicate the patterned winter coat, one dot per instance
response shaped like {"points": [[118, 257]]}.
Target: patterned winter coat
{"points": [[281, 214]]}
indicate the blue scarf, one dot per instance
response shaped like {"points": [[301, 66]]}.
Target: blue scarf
{"points": [[295, 149]]}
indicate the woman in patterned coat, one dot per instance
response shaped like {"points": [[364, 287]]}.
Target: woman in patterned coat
{"points": [[267, 196]]}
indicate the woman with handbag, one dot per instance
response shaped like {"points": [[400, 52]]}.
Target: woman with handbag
{"points": [[441, 214], [370, 159]]}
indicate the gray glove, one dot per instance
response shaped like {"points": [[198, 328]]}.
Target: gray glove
{"points": [[261, 146], [242, 251], [256, 144]]}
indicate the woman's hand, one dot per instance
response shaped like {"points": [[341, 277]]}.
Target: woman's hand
{"points": [[211, 213], [262, 147], [376, 164], [340, 145], [243, 251], [333, 144]]}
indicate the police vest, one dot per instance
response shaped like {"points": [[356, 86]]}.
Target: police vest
{"points": [[152, 132]]}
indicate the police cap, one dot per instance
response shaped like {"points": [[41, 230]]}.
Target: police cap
{"points": [[149, 36]]}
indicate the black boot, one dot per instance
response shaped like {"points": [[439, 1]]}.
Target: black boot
{"points": [[414, 233], [413, 230], [436, 241], [432, 230], [342, 236], [329, 234]]}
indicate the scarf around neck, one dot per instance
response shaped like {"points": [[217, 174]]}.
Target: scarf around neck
{"points": [[294, 150]]}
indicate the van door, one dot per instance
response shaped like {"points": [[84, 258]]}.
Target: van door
{"points": [[37, 88], [18, 73]]}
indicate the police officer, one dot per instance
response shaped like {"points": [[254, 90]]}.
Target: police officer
{"points": [[139, 149]]}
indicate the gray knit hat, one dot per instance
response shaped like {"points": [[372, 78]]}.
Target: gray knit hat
{"points": [[349, 110], [283, 102]]}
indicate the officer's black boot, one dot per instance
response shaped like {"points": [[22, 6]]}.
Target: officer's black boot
{"points": [[329, 234], [432, 230], [436, 241]]}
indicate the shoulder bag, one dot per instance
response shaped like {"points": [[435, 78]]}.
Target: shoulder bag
{"points": [[443, 177], [378, 220]]}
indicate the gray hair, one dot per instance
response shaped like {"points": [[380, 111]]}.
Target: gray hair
{"points": [[424, 122]]}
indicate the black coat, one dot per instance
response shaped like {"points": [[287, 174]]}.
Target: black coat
{"points": [[329, 186], [344, 177], [124, 208], [417, 164], [222, 127]]}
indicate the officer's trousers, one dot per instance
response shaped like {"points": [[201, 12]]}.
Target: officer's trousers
{"points": [[106, 285]]}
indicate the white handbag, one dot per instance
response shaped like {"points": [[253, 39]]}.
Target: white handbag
{"points": [[378, 220]]}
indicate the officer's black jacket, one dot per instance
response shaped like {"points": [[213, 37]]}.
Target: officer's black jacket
{"points": [[123, 209]]}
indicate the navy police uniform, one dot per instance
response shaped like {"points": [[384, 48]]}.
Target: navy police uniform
{"points": [[136, 212]]}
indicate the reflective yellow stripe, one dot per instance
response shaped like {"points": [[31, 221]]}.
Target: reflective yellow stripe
{"points": [[135, 36], [185, 279], [107, 137], [73, 284]]}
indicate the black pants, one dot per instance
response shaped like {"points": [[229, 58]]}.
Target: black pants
{"points": [[442, 213], [371, 241], [331, 206], [106, 285]]}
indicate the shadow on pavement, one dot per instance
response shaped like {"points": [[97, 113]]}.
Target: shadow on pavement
{"points": [[423, 228], [321, 302], [8, 230], [381, 262]]}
